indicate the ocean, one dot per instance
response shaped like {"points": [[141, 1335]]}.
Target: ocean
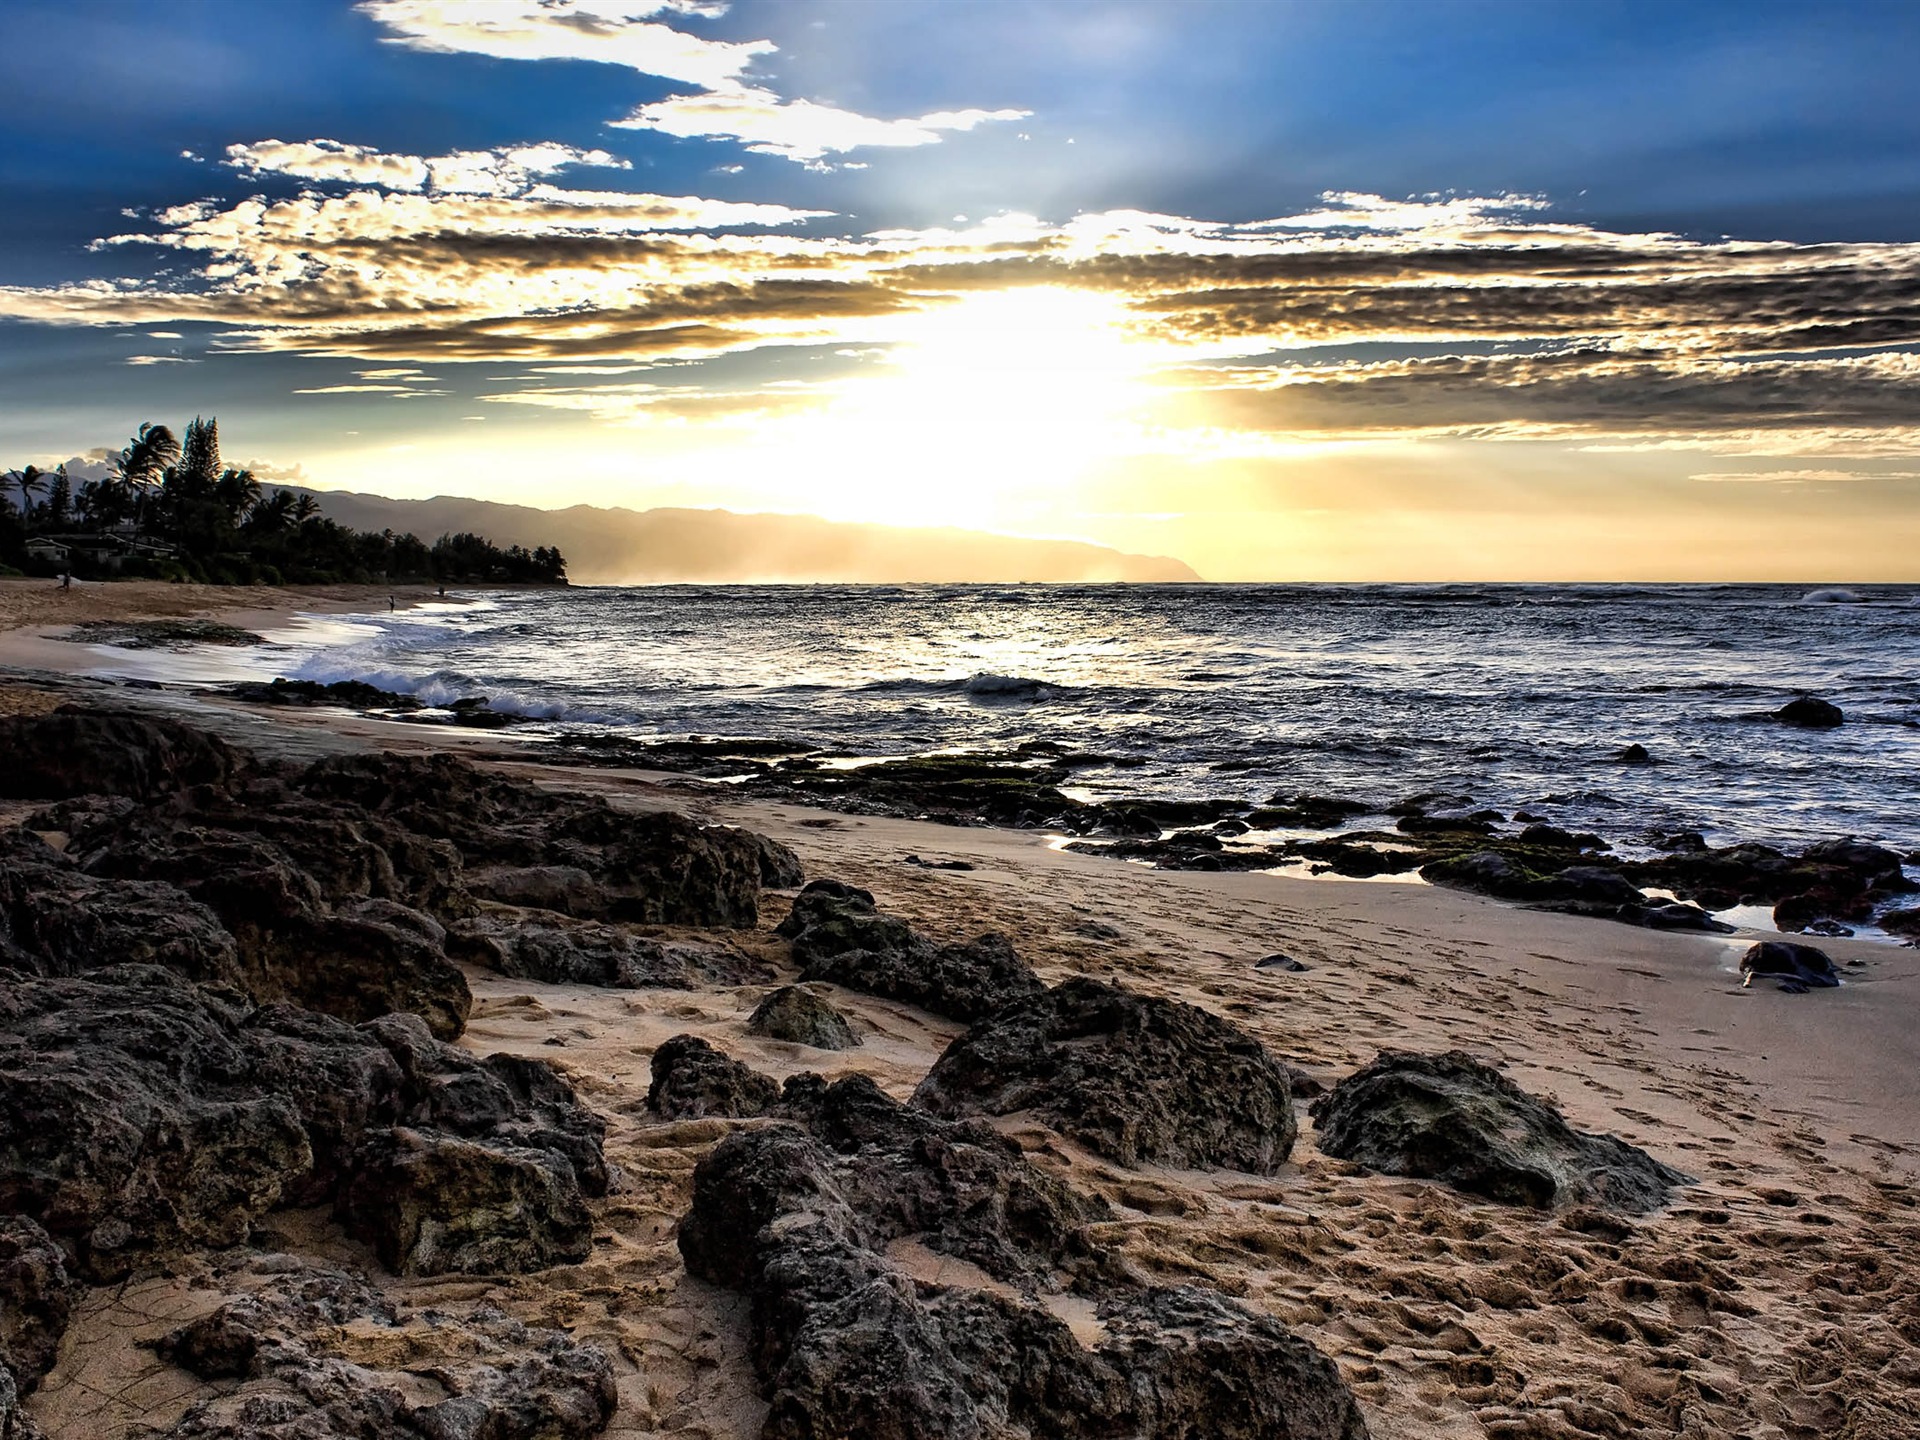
{"points": [[1518, 696]]}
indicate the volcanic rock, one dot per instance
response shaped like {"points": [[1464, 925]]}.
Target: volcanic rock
{"points": [[36, 1295], [1452, 1118], [1809, 712], [797, 1217], [430, 1204], [1141, 1080], [840, 936], [1796, 966], [82, 751], [800, 1016], [692, 1080], [321, 1356], [555, 950]]}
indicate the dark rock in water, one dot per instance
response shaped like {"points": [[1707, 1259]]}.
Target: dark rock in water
{"points": [[840, 936], [321, 1356], [36, 1295], [1809, 712], [55, 919], [433, 1204], [1427, 801], [692, 1080], [1552, 837], [1690, 842], [141, 1116], [1139, 1079], [1901, 922], [80, 751], [1356, 857], [347, 694], [1635, 754], [1801, 965], [1307, 812], [1449, 1117], [798, 1216], [1676, 916], [1281, 962], [801, 1017], [977, 789], [1827, 929], [555, 950], [1452, 823]]}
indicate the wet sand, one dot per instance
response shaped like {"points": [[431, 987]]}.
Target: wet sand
{"points": [[1779, 1296]]}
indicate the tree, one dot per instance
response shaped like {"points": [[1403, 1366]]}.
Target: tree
{"points": [[31, 481], [199, 466], [305, 508], [272, 515], [60, 499], [147, 456], [237, 492]]}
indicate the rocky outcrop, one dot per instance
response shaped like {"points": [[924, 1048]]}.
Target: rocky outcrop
{"points": [[81, 751], [1139, 1079], [55, 919], [36, 1295], [692, 1080], [798, 1217], [840, 936], [1798, 968], [646, 867], [319, 1355], [1452, 1118], [801, 1016], [429, 1204], [141, 1116], [541, 945]]}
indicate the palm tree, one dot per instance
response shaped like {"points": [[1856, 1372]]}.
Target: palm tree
{"points": [[236, 490], [273, 515], [147, 455], [304, 509], [30, 480]]}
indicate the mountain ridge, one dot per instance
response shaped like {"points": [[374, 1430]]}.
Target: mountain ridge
{"points": [[614, 545]]}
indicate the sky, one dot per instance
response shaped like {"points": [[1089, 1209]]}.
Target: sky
{"points": [[1454, 289]]}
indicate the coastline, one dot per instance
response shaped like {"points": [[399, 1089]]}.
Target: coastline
{"points": [[1448, 1316]]}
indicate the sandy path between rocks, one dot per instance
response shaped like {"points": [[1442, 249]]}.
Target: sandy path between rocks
{"points": [[1778, 1297]]}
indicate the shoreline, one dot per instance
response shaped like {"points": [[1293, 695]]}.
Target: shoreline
{"points": [[1797, 1116]]}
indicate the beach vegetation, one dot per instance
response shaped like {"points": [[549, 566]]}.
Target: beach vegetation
{"points": [[171, 508]]}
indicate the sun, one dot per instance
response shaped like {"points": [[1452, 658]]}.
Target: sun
{"points": [[993, 407]]}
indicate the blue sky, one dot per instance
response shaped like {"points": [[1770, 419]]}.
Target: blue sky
{"points": [[1596, 263]]}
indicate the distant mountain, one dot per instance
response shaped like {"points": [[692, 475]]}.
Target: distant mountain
{"points": [[617, 546]]}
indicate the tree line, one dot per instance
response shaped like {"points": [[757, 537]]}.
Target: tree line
{"points": [[171, 509]]}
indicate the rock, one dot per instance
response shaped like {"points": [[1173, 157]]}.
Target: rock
{"points": [[780, 867], [1901, 922], [692, 1080], [321, 1356], [348, 694], [433, 1204], [555, 950], [1635, 754], [1809, 712], [36, 1295], [564, 889], [1281, 962], [802, 1017], [1136, 1078], [81, 751], [1676, 916], [1690, 842], [130, 1126], [840, 936], [62, 921], [1793, 965], [1552, 837], [647, 867], [351, 959], [141, 1117], [1449, 1117], [1307, 812], [798, 1216]]}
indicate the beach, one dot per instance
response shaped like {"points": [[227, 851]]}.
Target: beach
{"points": [[1775, 1294]]}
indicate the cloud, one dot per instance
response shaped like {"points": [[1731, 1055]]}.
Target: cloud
{"points": [[1801, 477], [796, 129], [611, 32], [157, 360], [509, 171], [626, 32], [1436, 316]]}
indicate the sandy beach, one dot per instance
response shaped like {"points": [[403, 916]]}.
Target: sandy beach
{"points": [[1777, 1296]]}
